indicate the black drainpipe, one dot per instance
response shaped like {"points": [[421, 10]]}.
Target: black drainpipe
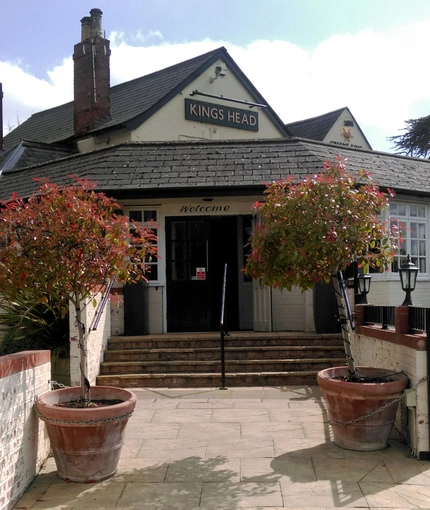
{"points": [[427, 326]]}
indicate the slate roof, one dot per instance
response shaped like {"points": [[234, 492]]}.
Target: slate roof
{"points": [[148, 170], [132, 102], [30, 154], [317, 128]]}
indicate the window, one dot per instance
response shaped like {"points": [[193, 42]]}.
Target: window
{"points": [[411, 220], [147, 218]]}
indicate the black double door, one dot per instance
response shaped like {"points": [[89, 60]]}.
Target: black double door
{"points": [[197, 248]]}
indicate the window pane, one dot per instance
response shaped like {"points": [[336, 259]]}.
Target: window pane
{"points": [[135, 216], [149, 215], [152, 272], [179, 230], [398, 209], [179, 271]]}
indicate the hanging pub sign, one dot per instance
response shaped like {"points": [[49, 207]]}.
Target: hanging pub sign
{"points": [[221, 115]]}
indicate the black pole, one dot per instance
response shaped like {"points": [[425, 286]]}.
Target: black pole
{"points": [[222, 329], [427, 326]]}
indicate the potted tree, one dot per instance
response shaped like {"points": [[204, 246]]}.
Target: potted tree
{"points": [[64, 245], [311, 231]]}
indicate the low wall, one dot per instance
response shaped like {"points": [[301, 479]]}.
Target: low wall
{"points": [[24, 443], [397, 350]]}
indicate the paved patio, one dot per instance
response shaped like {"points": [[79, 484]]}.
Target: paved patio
{"points": [[250, 448]]}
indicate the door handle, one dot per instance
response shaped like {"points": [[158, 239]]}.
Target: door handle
{"points": [[207, 256]]}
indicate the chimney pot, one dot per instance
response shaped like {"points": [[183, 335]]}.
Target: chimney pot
{"points": [[92, 25], [96, 23], [86, 28]]}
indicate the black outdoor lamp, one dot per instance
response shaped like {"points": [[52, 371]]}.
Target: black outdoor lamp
{"points": [[363, 283], [408, 278]]}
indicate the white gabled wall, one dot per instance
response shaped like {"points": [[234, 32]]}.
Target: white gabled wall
{"points": [[169, 122]]}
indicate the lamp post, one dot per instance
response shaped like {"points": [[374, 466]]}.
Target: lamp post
{"points": [[408, 272], [363, 283]]}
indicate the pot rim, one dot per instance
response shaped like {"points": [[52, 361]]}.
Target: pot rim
{"points": [[45, 404]]}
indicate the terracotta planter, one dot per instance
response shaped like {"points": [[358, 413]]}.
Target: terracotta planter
{"points": [[348, 401], [86, 443]]}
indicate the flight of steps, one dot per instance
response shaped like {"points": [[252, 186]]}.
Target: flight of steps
{"points": [[191, 360]]}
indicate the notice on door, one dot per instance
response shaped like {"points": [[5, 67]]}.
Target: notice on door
{"points": [[200, 273]]}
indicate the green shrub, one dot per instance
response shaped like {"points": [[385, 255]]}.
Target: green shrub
{"points": [[33, 326]]}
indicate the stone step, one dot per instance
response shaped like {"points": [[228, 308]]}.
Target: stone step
{"points": [[212, 341], [205, 380], [191, 360], [214, 366], [237, 353]]}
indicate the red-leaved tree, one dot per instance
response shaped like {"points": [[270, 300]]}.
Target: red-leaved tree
{"points": [[311, 230], [68, 243]]}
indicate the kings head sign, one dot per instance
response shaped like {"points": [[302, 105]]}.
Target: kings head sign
{"points": [[221, 115]]}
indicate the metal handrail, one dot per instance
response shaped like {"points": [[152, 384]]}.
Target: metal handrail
{"points": [[223, 328], [346, 299], [100, 311]]}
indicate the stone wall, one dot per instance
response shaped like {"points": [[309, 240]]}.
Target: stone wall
{"points": [[24, 443]]}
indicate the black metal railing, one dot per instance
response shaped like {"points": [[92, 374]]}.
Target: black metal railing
{"points": [[417, 319], [385, 317], [223, 328], [380, 315]]}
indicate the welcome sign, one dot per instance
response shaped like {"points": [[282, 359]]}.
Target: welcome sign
{"points": [[221, 115]]}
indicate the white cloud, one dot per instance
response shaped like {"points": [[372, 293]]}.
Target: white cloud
{"points": [[382, 77]]}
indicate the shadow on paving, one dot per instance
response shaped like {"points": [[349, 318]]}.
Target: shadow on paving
{"points": [[188, 483], [349, 476]]}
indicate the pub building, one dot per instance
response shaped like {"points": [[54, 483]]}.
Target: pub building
{"points": [[187, 151]]}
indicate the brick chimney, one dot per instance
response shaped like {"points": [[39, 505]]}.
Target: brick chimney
{"points": [[1, 116], [91, 75]]}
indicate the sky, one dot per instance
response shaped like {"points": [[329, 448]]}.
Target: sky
{"points": [[306, 57]]}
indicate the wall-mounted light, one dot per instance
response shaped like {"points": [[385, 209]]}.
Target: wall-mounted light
{"points": [[363, 286], [219, 71], [408, 272]]}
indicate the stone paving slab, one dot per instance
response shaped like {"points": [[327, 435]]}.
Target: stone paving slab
{"points": [[244, 448]]}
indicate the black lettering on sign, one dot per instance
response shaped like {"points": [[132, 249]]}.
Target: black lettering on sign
{"points": [[203, 208]]}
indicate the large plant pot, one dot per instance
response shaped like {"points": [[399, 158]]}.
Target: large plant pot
{"points": [[86, 443], [348, 401]]}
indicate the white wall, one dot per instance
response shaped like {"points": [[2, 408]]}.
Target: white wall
{"points": [[390, 293], [96, 340], [379, 353], [288, 310], [24, 444]]}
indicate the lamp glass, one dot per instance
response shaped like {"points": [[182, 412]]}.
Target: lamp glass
{"points": [[408, 272], [364, 283]]}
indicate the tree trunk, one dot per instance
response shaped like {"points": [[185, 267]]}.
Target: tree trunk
{"points": [[85, 385], [345, 319]]}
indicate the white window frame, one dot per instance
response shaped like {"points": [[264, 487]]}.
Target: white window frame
{"points": [[405, 248], [157, 224]]}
